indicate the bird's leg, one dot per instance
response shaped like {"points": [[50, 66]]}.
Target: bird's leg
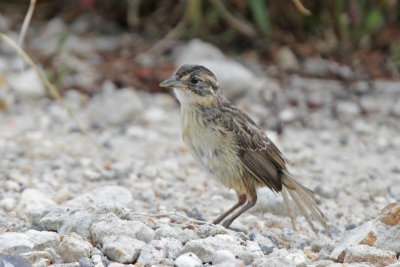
{"points": [[241, 201], [248, 205]]}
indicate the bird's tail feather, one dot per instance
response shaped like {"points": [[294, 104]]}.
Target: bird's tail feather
{"points": [[304, 200]]}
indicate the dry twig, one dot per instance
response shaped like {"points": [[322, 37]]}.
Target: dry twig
{"points": [[301, 8], [25, 25], [168, 215], [236, 23]]}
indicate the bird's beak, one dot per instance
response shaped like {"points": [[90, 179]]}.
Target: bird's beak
{"points": [[172, 83]]}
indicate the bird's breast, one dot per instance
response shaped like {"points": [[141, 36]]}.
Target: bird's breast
{"points": [[211, 145]]}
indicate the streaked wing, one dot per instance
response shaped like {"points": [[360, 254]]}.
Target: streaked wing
{"points": [[258, 154]]}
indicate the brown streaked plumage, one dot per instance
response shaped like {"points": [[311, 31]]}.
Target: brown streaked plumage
{"points": [[227, 142]]}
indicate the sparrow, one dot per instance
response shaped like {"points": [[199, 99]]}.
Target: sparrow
{"points": [[230, 146]]}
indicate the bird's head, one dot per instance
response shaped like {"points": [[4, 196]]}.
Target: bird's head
{"points": [[194, 84]]}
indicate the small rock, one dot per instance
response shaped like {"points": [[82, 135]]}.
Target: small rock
{"points": [[364, 253], [112, 225], [152, 254], [110, 193], [166, 231], [76, 219], [347, 109], [43, 239], [316, 247], [48, 254], [15, 243], [327, 191], [98, 261], [207, 230], [231, 263], [32, 199], [297, 258], [122, 249], [205, 252], [8, 203], [27, 83], [73, 247], [42, 263], [287, 60], [186, 235], [85, 262], [222, 256], [287, 115], [115, 108], [13, 261], [188, 260]]}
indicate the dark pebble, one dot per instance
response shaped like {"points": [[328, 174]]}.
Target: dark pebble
{"points": [[195, 214], [85, 262], [252, 236], [266, 249], [349, 226]]}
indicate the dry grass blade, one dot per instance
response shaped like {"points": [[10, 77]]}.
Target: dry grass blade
{"points": [[168, 215], [27, 20], [301, 8], [25, 26], [236, 23], [53, 92]]}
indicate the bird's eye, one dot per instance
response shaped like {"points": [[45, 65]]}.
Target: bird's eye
{"points": [[195, 80]]}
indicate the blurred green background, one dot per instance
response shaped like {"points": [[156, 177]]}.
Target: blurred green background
{"points": [[364, 34]]}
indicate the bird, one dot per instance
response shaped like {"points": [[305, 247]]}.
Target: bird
{"points": [[230, 146]]}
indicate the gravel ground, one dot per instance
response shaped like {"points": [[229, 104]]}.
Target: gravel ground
{"points": [[65, 201]]}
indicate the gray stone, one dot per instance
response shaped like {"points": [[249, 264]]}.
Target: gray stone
{"points": [[13, 261], [322, 67], [33, 199], [188, 260], [42, 262], [250, 252], [364, 253], [205, 248], [43, 239], [8, 203], [297, 258], [326, 190], [115, 108], [76, 219], [112, 225], [101, 195], [15, 243], [73, 247], [222, 255], [165, 231], [153, 253], [48, 254], [186, 235], [199, 247], [85, 262], [207, 230], [71, 264], [287, 60], [27, 83], [98, 261], [122, 249], [347, 109]]}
